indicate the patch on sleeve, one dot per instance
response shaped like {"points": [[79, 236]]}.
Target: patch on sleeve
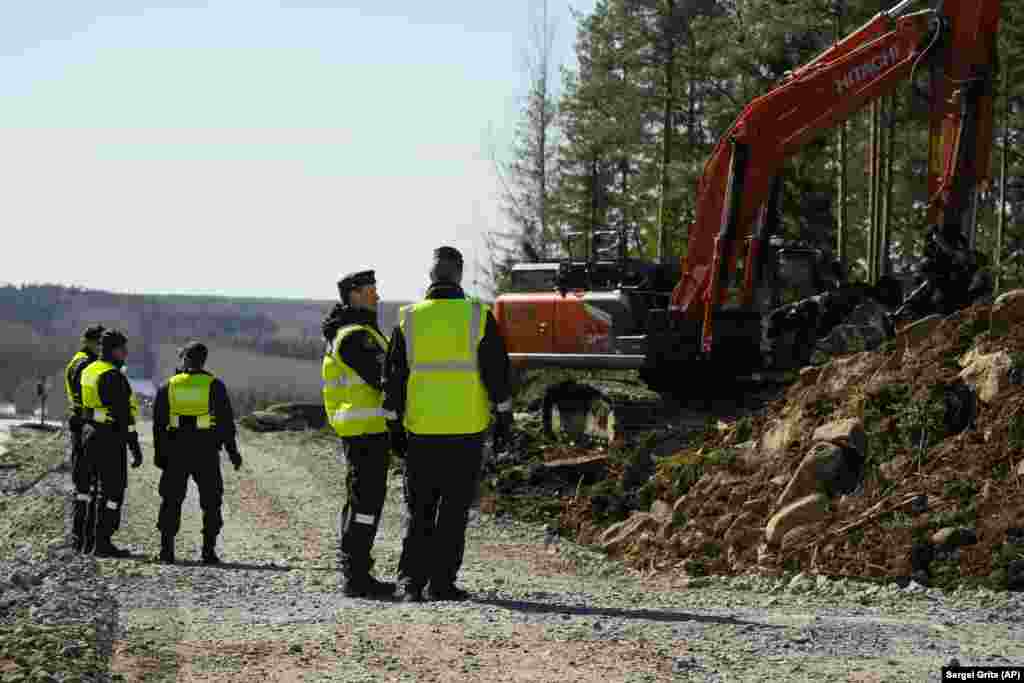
{"points": [[365, 519]]}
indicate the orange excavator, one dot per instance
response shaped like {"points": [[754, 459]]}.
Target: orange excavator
{"points": [[703, 321]]}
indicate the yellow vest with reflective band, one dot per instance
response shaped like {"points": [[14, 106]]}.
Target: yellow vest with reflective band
{"points": [[189, 396], [94, 409], [74, 400], [353, 407], [444, 394]]}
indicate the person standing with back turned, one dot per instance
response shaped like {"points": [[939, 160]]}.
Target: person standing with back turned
{"points": [[351, 373], [446, 366], [192, 420]]}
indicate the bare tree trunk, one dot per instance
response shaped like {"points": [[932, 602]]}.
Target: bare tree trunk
{"points": [[544, 96], [842, 215], [884, 267], [1001, 217], [666, 142], [873, 150]]}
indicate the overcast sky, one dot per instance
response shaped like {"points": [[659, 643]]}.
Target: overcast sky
{"points": [[254, 147]]}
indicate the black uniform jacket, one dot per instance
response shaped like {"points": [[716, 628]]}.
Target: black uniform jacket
{"points": [[358, 350], [223, 432], [492, 358]]}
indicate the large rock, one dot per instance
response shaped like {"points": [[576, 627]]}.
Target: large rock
{"points": [[620, 535], [911, 336], [781, 434], [988, 374], [1007, 311], [806, 510], [286, 417], [827, 468], [848, 433]]}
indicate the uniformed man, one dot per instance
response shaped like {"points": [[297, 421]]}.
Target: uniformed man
{"points": [[446, 368], [89, 352], [351, 374], [192, 421], [109, 430]]}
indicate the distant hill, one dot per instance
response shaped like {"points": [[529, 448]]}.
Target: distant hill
{"points": [[40, 325]]}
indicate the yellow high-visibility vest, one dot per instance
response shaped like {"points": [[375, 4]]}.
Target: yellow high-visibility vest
{"points": [[189, 396], [93, 407], [353, 407], [444, 394], [74, 398]]}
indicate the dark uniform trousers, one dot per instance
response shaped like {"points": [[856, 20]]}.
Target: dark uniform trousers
{"points": [[195, 455], [103, 462], [441, 478], [368, 458]]}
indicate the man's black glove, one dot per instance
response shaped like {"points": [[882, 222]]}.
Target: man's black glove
{"points": [[399, 438], [136, 449], [160, 460], [236, 458], [502, 430]]}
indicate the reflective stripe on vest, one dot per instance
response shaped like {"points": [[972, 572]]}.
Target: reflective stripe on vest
{"points": [[353, 407], [444, 394], [188, 395]]}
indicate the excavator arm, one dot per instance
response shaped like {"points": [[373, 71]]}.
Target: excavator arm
{"points": [[738, 188]]}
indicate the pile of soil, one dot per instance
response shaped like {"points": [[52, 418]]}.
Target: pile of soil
{"points": [[922, 473]]}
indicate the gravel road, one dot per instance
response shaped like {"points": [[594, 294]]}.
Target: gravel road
{"points": [[540, 612]]}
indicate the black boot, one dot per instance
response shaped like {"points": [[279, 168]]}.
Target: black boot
{"points": [[167, 548], [356, 581], [210, 549], [365, 586], [105, 525]]}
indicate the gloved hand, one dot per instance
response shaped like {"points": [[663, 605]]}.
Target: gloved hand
{"points": [[399, 438], [136, 450], [502, 430], [236, 459]]}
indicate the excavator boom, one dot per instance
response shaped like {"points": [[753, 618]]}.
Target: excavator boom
{"points": [[957, 41]]}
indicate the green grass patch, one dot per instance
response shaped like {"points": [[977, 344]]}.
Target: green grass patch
{"points": [[36, 651], [32, 454]]}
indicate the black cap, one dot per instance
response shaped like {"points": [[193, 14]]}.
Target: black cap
{"points": [[448, 254], [193, 354], [113, 339], [363, 278], [93, 333]]}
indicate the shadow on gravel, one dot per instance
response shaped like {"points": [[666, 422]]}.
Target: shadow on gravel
{"points": [[612, 612], [231, 566]]}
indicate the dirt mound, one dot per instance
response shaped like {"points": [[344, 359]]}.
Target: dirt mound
{"points": [[939, 464]]}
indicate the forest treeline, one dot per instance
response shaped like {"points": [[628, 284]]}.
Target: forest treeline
{"points": [[619, 137]]}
